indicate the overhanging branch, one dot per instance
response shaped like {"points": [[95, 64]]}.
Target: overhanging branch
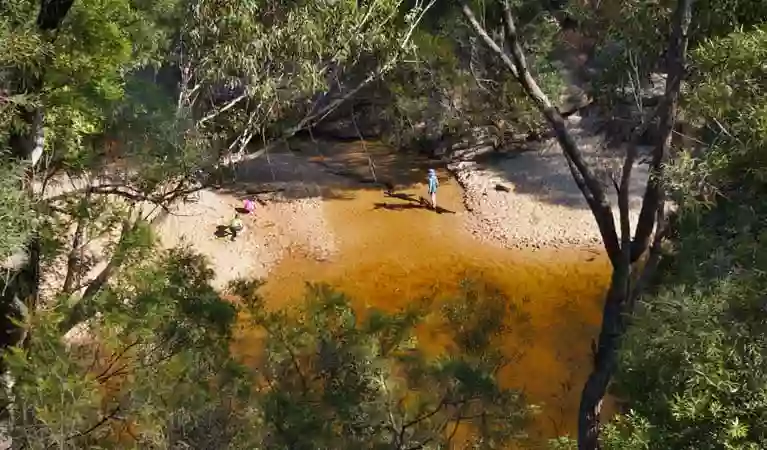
{"points": [[587, 182], [654, 193]]}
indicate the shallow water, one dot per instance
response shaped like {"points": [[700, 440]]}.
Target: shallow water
{"points": [[389, 257]]}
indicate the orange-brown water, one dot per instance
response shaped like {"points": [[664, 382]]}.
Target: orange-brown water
{"points": [[389, 257]]}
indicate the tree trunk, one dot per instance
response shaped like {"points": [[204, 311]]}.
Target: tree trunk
{"points": [[20, 289], [621, 295], [83, 309], [623, 252], [605, 359]]}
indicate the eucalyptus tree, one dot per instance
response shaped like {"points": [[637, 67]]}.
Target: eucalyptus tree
{"points": [[625, 249], [170, 363], [111, 108], [691, 370]]}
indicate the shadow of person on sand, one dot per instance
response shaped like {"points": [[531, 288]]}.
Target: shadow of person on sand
{"points": [[222, 231], [398, 206], [412, 203], [402, 196]]}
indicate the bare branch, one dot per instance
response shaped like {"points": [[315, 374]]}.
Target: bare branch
{"points": [[293, 357], [389, 411], [489, 41], [162, 198], [216, 112], [580, 182], [628, 163], [74, 259], [456, 425], [107, 373], [677, 54], [651, 265], [623, 199], [517, 65], [111, 415], [79, 312], [425, 416]]}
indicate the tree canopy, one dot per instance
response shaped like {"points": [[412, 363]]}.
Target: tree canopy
{"points": [[155, 369], [691, 368], [112, 111]]}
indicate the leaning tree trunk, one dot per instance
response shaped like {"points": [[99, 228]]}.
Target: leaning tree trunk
{"points": [[605, 359], [621, 294], [624, 251]]}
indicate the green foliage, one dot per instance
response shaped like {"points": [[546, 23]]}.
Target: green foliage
{"points": [[155, 358], [692, 367], [456, 83], [717, 188], [631, 36], [82, 69], [339, 379], [281, 63], [153, 369], [95, 75], [728, 96], [563, 443], [146, 91], [16, 213], [694, 372]]}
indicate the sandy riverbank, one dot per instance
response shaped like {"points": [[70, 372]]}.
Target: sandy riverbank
{"points": [[539, 206], [529, 199], [286, 222]]}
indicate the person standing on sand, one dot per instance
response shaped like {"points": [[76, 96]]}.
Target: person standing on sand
{"points": [[433, 185]]}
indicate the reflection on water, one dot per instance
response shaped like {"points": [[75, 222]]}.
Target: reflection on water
{"points": [[389, 257]]}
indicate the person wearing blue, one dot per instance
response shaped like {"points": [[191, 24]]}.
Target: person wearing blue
{"points": [[433, 185]]}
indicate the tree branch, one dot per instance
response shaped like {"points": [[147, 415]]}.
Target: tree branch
{"points": [[161, 199], [74, 258], [620, 296], [517, 65], [651, 265], [623, 200], [293, 357], [79, 312], [677, 54], [401, 436], [314, 117], [105, 374], [112, 414], [216, 112]]}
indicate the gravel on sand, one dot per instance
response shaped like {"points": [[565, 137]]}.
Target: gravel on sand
{"points": [[293, 220], [529, 199]]}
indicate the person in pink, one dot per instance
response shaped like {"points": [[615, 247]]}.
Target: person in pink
{"points": [[249, 206]]}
